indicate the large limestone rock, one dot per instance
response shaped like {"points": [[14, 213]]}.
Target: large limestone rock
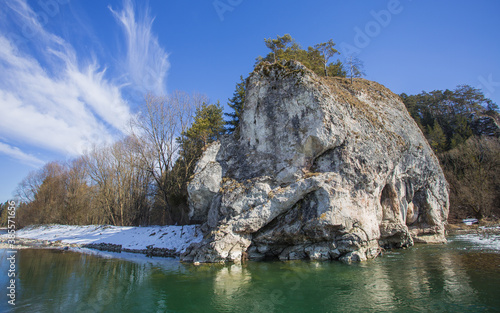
{"points": [[321, 169]]}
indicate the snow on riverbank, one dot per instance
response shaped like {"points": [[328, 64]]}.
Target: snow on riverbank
{"points": [[176, 238]]}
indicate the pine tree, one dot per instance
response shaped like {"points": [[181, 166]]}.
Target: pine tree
{"points": [[208, 126], [436, 137], [279, 45], [460, 131], [236, 103], [456, 110], [327, 51], [316, 58], [336, 69]]}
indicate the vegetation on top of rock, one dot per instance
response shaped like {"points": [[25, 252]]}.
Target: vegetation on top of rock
{"points": [[285, 49], [316, 58]]}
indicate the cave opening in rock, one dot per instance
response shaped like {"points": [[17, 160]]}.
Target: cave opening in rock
{"points": [[389, 202]]}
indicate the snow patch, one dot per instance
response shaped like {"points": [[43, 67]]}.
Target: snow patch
{"points": [[176, 238]]}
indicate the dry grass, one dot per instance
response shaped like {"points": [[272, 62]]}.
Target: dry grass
{"points": [[347, 93]]}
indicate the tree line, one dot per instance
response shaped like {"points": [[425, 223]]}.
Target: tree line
{"points": [[468, 152], [138, 180]]}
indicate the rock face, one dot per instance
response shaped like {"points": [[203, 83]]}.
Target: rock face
{"points": [[321, 169]]}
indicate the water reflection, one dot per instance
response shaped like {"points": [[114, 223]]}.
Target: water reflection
{"points": [[415, 280], [59, 281], [424, 278], [62, 281], [230, 280], [229, 283]]}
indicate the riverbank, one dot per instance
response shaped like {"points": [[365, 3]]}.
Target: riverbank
{"points": [[484, 226], [151, 240], [171, 241]]}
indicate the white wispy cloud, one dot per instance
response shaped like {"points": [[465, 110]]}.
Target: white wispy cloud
{"points": [[54, 99], [146, 62], [17, 154], [63, 113]]}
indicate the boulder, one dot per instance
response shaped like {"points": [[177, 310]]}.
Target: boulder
{"points": [[320, 168]]}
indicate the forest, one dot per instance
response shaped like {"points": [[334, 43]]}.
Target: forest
{"points": [[462, 127], [142, 178]]}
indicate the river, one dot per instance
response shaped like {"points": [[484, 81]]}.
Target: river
{"points": [[456, 277]]}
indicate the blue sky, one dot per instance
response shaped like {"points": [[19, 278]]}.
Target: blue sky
{"points": [[72, 72]]}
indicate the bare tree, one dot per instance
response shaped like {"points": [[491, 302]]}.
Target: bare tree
{"points": [[113, 184], [29, 186], [99, 167], [132, 181], [161, 121], [121, 183], [472, 170], [106, 185], [354, 67], [43, 195], [78, 206]]}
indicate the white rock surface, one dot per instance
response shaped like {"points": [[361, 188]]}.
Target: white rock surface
{"points": [[321, 169]]}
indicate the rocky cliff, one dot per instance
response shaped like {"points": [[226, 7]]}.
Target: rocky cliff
{"points": [[321, 169]]}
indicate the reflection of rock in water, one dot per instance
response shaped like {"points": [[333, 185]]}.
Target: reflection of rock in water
{"points": [[230, 279], [455, 277], [418, 279], [229, 284], [427, 278]]}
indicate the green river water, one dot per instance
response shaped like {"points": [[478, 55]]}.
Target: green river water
{"points": [[456, 277]]}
